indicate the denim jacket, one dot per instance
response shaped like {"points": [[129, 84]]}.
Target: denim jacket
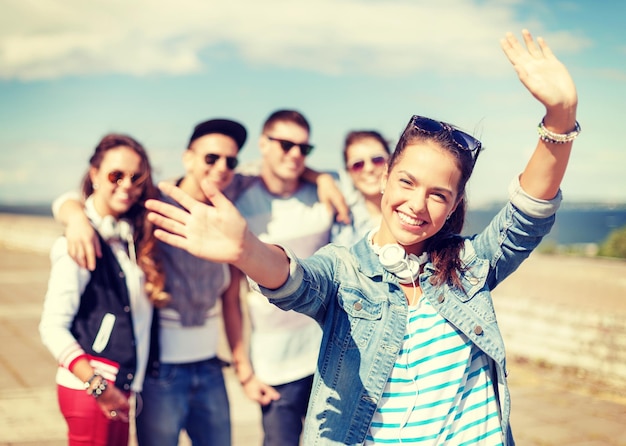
{"points": [[363, 313]]}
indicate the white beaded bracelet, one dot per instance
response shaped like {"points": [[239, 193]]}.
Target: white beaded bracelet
{"points": [[557, 138]]}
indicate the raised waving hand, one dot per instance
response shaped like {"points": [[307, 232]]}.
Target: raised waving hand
{"points": [[211, 232]]}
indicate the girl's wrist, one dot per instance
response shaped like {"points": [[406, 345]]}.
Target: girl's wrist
{"points": [[96, 385], [247, 379]]}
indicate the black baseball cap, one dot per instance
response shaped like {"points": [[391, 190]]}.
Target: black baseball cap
{"points": [[223, 126]]}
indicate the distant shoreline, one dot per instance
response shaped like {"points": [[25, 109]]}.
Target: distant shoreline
{"points": [[44, 208], [576, 223]]}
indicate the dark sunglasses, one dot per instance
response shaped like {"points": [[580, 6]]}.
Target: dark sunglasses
{"points": [[305, 149], [117, 176], [231, 161], [377, 161], [460, 138]]}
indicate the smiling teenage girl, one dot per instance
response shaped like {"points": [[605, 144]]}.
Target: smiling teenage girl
{"points": [[98, 324], [365, 156], [411, 351]]}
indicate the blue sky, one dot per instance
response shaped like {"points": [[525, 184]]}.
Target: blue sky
{"points": [[72, 71]]}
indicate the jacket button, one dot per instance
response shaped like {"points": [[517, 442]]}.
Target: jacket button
{"points": [[358, 306], [126, 386], [441, 298], [127, 309], [473, 280], [478, 330], [129, 376], [121, 274]]}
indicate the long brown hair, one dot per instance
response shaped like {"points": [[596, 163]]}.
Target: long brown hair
{"points": [[148, 257], [445, 246]]}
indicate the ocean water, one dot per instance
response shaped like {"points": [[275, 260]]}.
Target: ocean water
{"points": [[582, 224], [572, 225]]}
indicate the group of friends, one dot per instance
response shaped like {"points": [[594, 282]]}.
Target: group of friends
{"points": [[371, 317]]}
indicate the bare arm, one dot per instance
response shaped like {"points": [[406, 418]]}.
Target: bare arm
{"points": [[329, 194], [549, 81], [83, 244], [255, 389], [218, 233]]}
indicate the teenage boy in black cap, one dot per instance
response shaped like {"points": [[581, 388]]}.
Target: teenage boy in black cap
{"points": [[186, 390]]}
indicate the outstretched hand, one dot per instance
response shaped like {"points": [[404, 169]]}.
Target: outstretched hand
{"points": [[213, 233], [547, 79]]}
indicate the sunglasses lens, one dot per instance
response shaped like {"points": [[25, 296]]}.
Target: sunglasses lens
{"points": [[462, 139], [116, 177], [211, 158], [285, 145], [465, 141], [357, 166], [379, 161], [231, 162], [306, 149], [427, 125], [138, 179]]}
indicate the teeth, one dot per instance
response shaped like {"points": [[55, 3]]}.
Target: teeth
{"points": [[411, 221]]}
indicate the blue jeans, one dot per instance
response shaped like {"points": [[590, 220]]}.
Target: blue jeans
{"points": [[188, 396], [283, 418]]}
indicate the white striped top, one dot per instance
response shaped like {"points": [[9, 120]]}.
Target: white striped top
{"points": [[439, 391]]}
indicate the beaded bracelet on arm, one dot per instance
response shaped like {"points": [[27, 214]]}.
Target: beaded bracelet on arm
{"points": [[100, 388], [557, 138]]}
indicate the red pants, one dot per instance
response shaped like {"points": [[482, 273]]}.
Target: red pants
{"points": [[87, 424]]}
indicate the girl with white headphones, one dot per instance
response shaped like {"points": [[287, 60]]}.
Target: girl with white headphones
{"points": [[98, 324], [411, 352]]}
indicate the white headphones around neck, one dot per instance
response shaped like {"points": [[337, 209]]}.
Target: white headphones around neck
{"points": [[121, 229], [111, 228], [394, 259]]}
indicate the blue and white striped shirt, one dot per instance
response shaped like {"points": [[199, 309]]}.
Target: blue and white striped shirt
{"points": [[439, 391]]}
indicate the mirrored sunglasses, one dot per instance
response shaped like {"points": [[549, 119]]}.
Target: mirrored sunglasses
{"points": [[117, 177], [231, 161], [463, 140], [286, 145], [377, 161]]}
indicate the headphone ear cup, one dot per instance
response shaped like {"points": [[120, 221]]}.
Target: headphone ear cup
{"points": [[394, 259], [107, 227]]}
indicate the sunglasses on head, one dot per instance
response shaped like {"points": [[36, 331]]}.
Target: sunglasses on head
{"points": [[286, 145], [377, 161], [231, 161], [117, 177], [460, 138]]}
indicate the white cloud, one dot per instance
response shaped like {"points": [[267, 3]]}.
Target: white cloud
{"points": [[57, 38]]}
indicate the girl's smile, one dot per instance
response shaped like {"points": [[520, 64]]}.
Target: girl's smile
{"points": [[420, 192]]}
